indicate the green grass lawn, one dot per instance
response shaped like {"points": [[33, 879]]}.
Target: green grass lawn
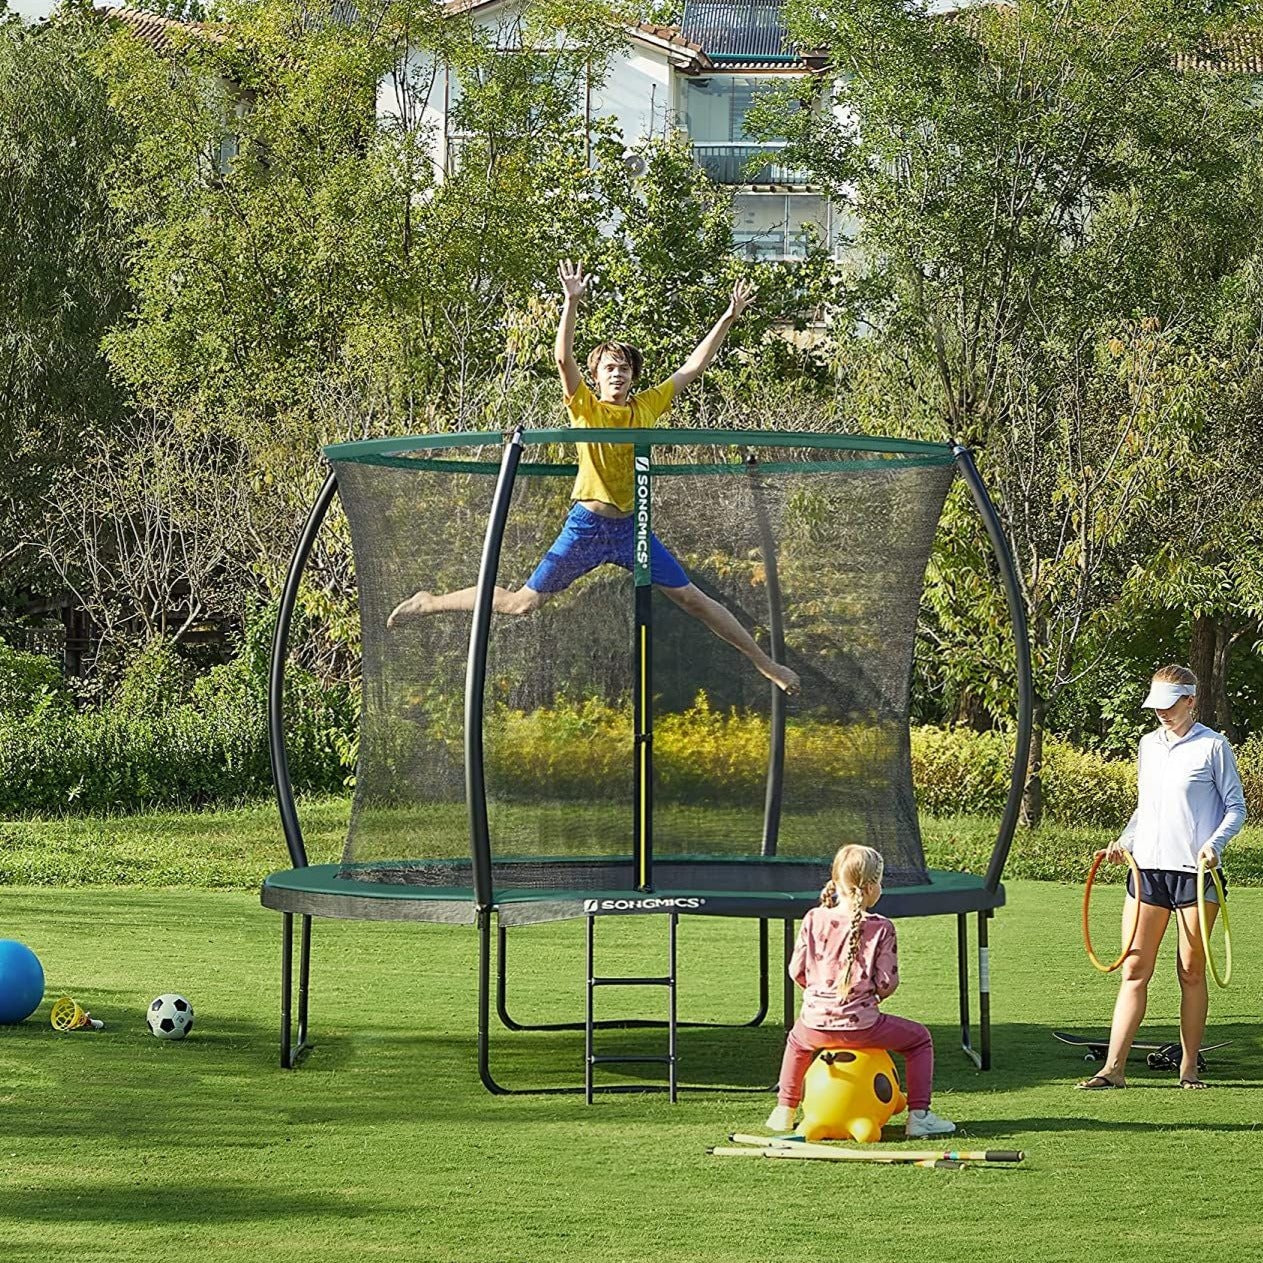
{"points": [[384, 1145], [235, 849]]}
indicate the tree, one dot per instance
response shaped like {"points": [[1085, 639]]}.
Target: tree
{"points": [[63, 277], [154, 533], [1204, 559], [1026, 179]]}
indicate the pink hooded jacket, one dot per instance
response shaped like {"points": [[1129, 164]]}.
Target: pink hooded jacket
{"points": [[819, 956]]}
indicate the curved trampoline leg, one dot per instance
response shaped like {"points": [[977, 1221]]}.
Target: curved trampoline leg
{"points": [[291, 1051], [484, 1020], [980, 1056], [511, 1023], [484, 1004]]}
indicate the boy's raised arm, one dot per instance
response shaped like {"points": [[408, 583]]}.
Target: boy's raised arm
{"points": [[742, 296], [573, 284]]}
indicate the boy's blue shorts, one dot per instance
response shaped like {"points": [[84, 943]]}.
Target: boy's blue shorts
{"points": [[588, 540]]}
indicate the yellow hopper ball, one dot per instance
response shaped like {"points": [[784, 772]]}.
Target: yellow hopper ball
{"points": [[850, 1093]]}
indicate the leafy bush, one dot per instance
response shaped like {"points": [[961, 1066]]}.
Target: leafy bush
{"points": [[29, 682], [701, 755], [953, 768], [961, 772], [212, 749], [1250, 765], [579, 751], [161, 744], [155, 680], [110, 761]]}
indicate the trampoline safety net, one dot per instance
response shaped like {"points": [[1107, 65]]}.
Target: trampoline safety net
{"points": [[832, 544]]}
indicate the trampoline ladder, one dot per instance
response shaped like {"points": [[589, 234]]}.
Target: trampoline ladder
{"points": [[592, 1059]]}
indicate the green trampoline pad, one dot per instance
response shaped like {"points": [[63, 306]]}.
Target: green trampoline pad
{"points": [[319, 890]]}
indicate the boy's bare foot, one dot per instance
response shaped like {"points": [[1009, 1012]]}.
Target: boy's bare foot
{"points": [[417, 604], [782, 677]]}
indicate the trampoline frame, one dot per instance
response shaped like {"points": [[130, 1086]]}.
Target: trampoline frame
{"points": [[306, 905]]}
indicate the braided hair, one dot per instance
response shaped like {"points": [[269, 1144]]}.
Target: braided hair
{"points": [[854, 869]]}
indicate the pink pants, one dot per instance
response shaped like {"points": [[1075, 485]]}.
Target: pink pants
{"points": [[897, 1034]]}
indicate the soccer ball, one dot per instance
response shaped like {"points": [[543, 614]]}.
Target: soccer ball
{"points": [[170, 1017]]}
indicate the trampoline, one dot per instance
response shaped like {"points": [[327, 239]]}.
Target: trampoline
{"points": [[608, 754]]}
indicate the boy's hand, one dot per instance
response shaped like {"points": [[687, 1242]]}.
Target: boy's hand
{"points": [[743, 293], [573, 283]]}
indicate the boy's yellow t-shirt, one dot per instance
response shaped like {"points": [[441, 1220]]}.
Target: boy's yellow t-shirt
{"points": [[605, 469]]}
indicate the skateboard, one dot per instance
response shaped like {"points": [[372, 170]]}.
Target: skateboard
{"points": [[1160, 1056]]}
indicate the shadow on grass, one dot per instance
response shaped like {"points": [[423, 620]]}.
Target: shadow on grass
{"points": [[222, 1089], [1062, 1124], [175, 1203], [1023, 1054], [747, 1058]]}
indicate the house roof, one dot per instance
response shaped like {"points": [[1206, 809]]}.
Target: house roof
{"points": [[164, 35], [1238, 52], [715, 35], [684, 53]]}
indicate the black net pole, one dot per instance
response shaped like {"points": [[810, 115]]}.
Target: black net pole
{"points": [[276, 675], [642, 676], [776, 629], [476, 675], [1021, 642]]}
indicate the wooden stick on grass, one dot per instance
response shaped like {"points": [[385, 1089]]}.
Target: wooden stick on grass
{"points": [[880, 1155], [816, 1153]]}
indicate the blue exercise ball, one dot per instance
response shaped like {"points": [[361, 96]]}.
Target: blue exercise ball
{"points": [[21, 981]]}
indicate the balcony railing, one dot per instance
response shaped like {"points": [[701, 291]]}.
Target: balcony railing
{"points": [[737, 163]]}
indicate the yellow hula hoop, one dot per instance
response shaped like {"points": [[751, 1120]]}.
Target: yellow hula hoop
{"points": [[1202, 870], [1135, 918]]}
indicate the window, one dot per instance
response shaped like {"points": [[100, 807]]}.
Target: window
{"points": [[716, 107], [715, 113], [781, 225]]}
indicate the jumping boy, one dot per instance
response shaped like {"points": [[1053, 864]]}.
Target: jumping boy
{"points": [[598, 528]]}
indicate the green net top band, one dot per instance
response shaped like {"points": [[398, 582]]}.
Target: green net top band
{"points": [[394, 451]]}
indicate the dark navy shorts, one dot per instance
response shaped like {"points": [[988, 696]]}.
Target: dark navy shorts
{"points": [[588, 540], [1166, 888]]}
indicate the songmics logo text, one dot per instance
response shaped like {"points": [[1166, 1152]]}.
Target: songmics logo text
{"points": [[642, 512], [648, 904]]}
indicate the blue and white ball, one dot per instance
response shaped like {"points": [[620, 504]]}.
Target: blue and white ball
{"points": [[170, 1017]]}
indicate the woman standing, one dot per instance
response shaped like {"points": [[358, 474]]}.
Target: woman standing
{"points": [[1190, 804]]}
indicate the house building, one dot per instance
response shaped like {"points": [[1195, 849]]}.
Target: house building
{"points": [[701, 77]]}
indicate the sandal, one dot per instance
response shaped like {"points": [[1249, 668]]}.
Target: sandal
{"points": [[1099, 1083], [1195, 1084]]}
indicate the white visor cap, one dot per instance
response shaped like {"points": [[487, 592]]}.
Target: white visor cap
{"points": [[1163, 694]]}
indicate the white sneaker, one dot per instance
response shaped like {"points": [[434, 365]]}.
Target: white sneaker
{"points": [[927, 1123], [781, 1119]]}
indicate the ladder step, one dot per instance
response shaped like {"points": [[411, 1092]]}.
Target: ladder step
{"points": [[632, 982], [629, 1059]]}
